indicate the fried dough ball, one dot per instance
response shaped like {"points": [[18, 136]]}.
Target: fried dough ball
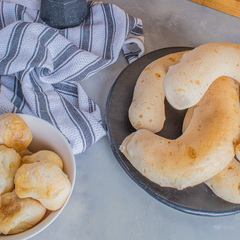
{"points": [[10, 161], [18, 215], [44, 181]]}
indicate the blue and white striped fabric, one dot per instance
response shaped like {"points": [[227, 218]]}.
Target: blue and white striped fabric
{"points": [[40, 67]]}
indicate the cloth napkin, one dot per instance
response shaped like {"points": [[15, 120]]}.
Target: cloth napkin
{"points": [[41, 67]]}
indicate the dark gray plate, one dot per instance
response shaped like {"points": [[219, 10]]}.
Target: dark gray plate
{"points": [[198, 200]]}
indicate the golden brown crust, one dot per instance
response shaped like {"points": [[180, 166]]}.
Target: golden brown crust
{"points": [[147, 110], [186, 82], [10, 161], [204, 149], [43, 155], [226, 184], [14, 132], [44, 181], [25, 152], [18, 215], [187, 118]]}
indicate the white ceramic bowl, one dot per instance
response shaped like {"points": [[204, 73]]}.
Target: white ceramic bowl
{"points": [[47, 137]]}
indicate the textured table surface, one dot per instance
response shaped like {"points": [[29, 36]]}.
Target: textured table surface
{"points": [[106, 204]]}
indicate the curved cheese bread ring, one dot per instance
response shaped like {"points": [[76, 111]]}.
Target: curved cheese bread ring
{"points": [[186, 82], [147, 109], [225, 184], [190, 111], [205, 148]]}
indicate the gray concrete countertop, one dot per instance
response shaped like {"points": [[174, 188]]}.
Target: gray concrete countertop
{"points": [[106, 204]]}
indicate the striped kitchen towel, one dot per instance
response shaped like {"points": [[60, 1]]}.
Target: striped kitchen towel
{"points": [[41, 67]]}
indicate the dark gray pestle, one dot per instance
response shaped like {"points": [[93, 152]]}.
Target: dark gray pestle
{"points": [[63, 13]]}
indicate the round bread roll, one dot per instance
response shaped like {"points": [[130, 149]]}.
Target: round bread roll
{"points": [[202, 151], [14, 132], [10, 161], [43, 155], [186, 82], [44, 181], [147, 110], [18, 215]]}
